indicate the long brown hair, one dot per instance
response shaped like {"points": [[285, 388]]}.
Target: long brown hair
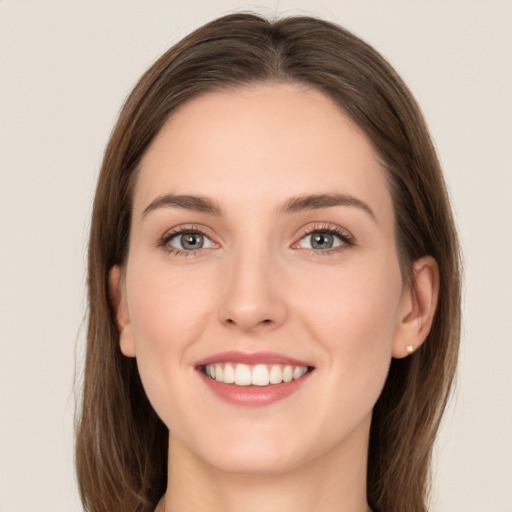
{"points": [[121, 444]]}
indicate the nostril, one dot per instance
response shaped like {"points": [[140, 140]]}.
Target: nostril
{"points": [[266, 321]]}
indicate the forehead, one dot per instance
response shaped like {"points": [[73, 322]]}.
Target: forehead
{"points": [[264, 141]]}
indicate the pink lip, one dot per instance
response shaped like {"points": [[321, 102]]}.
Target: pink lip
{"points": [[233, 356], [253, 396]]}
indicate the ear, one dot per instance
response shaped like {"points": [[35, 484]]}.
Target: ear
{"points": [[417, 308], [118, 298]]}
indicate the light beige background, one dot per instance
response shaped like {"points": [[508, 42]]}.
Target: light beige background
{"points": [[65, 68]]}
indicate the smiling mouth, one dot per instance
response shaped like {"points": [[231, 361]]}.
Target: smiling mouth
{"points": [[240, 374]]}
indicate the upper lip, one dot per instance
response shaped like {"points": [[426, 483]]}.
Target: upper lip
{"points": [[233, 356]]}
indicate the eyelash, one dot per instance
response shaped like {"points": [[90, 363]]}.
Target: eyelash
{"points": [[182, 230], [344, 236], [347, 240]]}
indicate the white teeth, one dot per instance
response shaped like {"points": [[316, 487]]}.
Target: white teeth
{"points": [[298, 372], [218, 372], [287, 373], [258, 375], [242, 375], [276, 374], [229, 374]]}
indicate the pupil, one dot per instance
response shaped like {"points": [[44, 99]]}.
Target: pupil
{"points": [[322, 241], [192, 241]]}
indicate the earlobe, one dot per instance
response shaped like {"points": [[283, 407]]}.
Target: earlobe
{"points": [[418, 308], [118, 298]]}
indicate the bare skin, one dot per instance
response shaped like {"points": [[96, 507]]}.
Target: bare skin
{"points": [[249, 265]]}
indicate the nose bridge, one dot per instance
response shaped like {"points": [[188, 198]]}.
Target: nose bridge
{"points": [[251, 297]]}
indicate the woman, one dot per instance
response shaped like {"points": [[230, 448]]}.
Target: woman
{"points": [[273, 282]]}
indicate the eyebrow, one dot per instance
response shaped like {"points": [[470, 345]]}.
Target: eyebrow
{"points": [[319, 201], [184, 202], [292, 205]]}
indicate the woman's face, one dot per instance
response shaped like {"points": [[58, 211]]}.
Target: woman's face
{"points": [[262, 246]]}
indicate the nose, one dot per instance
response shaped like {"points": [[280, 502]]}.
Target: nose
{"points": [[252, 297]]}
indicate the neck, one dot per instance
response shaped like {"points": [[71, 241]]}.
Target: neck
{"points": [[333, 482]]}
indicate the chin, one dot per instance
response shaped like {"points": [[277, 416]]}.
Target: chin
{"points": [[257, 462], [251, 455]]}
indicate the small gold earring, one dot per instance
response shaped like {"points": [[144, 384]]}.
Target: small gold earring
{"points": [[409, 349]]}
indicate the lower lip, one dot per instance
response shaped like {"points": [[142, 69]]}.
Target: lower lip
{"points": [[253, 396]]}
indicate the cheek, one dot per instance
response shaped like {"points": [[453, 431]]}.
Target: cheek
{"points": [[354, 319], [167, 309], [168, 314]]}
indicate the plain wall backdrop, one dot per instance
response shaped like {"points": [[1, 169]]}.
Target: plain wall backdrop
{"points": [[65, 69]]}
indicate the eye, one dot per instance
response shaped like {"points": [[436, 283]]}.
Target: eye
{"points": [[325, 239], [320, 240], [189, 241]]}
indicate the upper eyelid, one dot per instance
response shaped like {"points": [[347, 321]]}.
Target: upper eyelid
{"points": [[188, 228], [322, 226]]}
